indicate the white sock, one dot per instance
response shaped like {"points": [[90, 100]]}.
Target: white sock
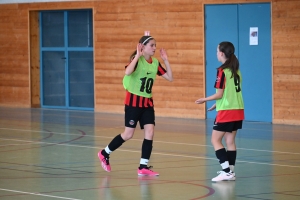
{"points": [[225, 165], [144, 161], [107, 150]]}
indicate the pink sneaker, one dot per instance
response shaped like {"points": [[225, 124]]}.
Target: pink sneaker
{"points": [[147, 172], [104, 162]]}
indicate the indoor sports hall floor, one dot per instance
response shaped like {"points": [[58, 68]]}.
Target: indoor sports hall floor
{"points": [[52, 154]]}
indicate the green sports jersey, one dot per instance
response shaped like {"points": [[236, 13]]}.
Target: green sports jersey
{"points": [[140, 81], [232, 97]]}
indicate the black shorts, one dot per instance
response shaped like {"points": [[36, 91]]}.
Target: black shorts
{"points": [[228, 126], [141, 115]]}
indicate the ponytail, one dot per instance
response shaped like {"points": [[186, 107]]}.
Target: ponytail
{"points": [[132, 56], [232, 62]]}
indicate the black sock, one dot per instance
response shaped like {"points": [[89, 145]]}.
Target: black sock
{"points": [[226, 170], [146, 151], [103, 152], [222, 156], [116, 143], [231, 155], [142, 166], [147, 148]]}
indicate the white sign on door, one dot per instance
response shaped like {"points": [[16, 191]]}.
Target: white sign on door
{"points": [[253, 36]]}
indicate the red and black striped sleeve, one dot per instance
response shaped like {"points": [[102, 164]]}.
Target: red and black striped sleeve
{"points": [[220, 81], [161, 71]]}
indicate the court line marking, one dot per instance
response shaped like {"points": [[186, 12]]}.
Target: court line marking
{"points": [[157, 153], [37, 194], [17, 144], [122, 115], [201, 125], [156, 141]]}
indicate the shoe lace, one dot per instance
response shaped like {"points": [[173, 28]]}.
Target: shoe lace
{"points": [[220, 172], [149, 167], [106, 160]]}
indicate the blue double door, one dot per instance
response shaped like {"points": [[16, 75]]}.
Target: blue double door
{"points": [[67, 61], [233, 22]]}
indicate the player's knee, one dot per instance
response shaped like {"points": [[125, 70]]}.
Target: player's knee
{"points": [[127, 135], [230, 142], [149, 135], [215, 141]]}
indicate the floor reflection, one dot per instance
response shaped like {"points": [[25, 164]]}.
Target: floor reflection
{"points": [[224, 190]]}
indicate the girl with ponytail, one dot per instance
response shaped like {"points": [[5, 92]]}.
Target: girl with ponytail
{"points": [[230, 107], [139, 78]]}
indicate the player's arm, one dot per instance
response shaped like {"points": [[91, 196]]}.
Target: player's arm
{"points": [[131, 67], [168, 75], [217, 95], [219, 85], [212, 107]]}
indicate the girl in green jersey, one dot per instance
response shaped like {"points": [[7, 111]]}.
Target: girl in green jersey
{"points": [[140, 75], [230, 107]]}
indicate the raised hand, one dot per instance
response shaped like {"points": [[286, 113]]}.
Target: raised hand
{"points": [[163, 54], [139, 50]]}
